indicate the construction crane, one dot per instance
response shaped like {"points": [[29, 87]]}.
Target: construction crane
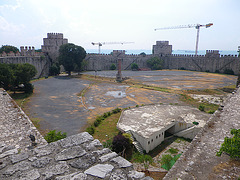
{"points": [[103, 43], [197, 26]]}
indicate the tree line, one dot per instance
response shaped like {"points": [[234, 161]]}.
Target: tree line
{"points": [[16, 77]]}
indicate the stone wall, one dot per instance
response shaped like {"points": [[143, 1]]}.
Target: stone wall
{"points": [[41, 63], [188, 62]]}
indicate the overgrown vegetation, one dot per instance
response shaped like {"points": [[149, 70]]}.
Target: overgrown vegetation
{"points": [[167, 161], [113, 67], [155, 63], [16, 77], [134, 67], [142, 158], [100, 119], [53, 136], [8, 48], [231, 146]]}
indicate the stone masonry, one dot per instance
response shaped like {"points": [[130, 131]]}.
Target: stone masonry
{"points": [[76, 157], [200, 160]]}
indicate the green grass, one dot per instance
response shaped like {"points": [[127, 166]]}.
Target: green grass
{"points": [[173, 150], [108, 128]]}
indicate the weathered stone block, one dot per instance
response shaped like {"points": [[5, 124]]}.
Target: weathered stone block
{"points": [[107, 157], [30, 175], [121, 162], [19, 157], [42, 162], [75, 140], [118, 175], [73, 176], [84, 162], [58, 169], [99, 170], [21, 166], [136, 175], [70, 153]]}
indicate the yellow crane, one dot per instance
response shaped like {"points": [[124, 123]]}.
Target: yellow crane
{"points": [[197, 26], [103, 43]]}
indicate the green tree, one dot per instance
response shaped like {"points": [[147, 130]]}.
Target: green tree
{"points": [[113, 67], [134, 66], [54, 69], [121, 144], [231, 145], [6, 76], [8, 48], [155, 63], [143, 54], [53, 136], [71, 57]]}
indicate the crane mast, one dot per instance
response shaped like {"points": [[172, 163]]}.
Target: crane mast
{"points": [[197, 26], [103, 43]]}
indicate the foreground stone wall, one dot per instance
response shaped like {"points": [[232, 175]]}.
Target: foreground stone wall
{"points": [[76, 157], [200, 160]]}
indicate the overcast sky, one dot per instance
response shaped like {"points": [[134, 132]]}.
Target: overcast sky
{"points": [[27, 22]]}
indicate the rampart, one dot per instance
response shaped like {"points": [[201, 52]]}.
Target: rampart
{"points": [[208, 62], [28, 55]]}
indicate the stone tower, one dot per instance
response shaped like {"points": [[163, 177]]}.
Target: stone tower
{"points": [[162, 48], [52, 43]]}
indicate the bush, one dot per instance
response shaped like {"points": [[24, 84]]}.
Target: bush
{"points": [[113, 67], [28, 88], [195, 123], [120, 144], [173, 151], [155, 63], [166, 161], [182, 68], [201, 107], [231, 145], [143, 158], [54, 70], [91, 130], [115, 111], [217, 71], [211, 112], [134, 66], [52, 136], [228, 71]]}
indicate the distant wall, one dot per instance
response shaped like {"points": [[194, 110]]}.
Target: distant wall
{"points": [[189, 62]]}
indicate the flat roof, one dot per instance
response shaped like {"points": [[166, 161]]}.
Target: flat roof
{"points": [[146, 120]]}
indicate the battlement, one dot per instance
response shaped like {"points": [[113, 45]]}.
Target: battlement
{"points": [[161, 43], [55, 35], [24, 51]]}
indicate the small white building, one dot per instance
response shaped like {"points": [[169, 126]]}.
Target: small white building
{"points": [[148, 124]]}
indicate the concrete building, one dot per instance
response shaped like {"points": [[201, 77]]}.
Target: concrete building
{"points": [[149, 124]]}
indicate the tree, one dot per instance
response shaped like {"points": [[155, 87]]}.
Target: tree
{"points": [[143, 54], [134, 66], [54, 69], [231, 145], [8, 48], [113, 67], [71, 56], [6, 76], [155, 63], [121, 144]]}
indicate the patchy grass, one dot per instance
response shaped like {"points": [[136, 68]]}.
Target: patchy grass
{"points": [[108, 128], [195, 103], [20, 97], [205, 91]]}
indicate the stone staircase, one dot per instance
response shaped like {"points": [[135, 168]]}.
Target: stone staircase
{"points": [[136, 143]]}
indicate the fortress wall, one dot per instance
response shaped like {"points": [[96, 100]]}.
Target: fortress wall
{"points": [[41, 63], [188, 62], [202, 63]]}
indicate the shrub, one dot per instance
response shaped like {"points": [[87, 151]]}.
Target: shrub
{"points": [[210, 111], [173, 150], [143, 158], [166, 161], [120, 144], [182, 68], [91, 130], [28, 88], [217, 71], [134, 66], [231, 145], [52, 136], [195, 123], [201, 107], [115, 111], [155, 63], [54, 69], [113, 67], [228, 71]]}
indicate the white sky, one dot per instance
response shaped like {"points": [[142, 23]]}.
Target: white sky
{"points": [[27, 22]]}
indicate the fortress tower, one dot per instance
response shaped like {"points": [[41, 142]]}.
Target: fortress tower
{"points": [[162, 48], [52, 43]]}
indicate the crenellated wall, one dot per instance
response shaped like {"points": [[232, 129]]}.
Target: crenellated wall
{"points": [[206, 62]]}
